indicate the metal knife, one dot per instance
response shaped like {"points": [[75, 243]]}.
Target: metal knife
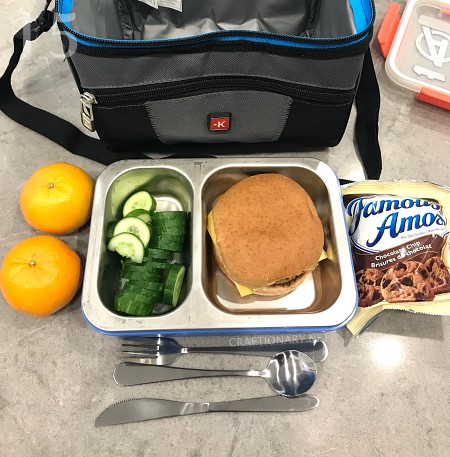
{"points": [[144, 409]]}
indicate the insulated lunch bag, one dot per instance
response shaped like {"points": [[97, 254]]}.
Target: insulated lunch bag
{"points": [[209, 75]]}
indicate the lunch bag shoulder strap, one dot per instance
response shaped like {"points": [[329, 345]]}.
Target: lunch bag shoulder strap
{"points": [[71, 138], [52, 127], [366, 126]]}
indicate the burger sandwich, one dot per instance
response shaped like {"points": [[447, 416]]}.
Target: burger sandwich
{"points": [[266, 234]]}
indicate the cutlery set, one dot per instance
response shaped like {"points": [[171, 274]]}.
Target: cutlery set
{"points": [[290, 372]]}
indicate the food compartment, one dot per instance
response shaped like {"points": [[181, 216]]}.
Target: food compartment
{"points": [[319, 290], [173, 192]]}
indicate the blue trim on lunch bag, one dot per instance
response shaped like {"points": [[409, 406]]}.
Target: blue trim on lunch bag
{"points": [[115, 43], [280, 42], [360, 9], [360, 14], [64, 9]]}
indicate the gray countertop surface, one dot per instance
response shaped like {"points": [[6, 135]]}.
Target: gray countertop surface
{"points": [[384, 394]]}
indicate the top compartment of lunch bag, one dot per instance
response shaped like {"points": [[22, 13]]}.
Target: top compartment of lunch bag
{"points": [[136, 20]]}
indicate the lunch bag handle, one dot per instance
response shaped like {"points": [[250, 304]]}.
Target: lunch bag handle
{"points": [[71, 138]]}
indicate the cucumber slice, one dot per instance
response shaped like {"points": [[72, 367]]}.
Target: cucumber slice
{"points": [[127, 245], [173, 284], [158, 265], [136, 227], [159, 254], [169, 237], [153, 207], [139, 268], [175, 234], [154, 295], [134, 304], [168, 245], [170, 225], [147, 260], [142, 267], [169, 231], [141, 293], [150, 267], [139, 200], [142, 276], [156, 286], [110, 230], [165, 216], [140, 214]]}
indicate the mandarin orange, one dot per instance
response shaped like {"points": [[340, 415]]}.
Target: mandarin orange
{"points": [[57, 198], [40, 275]]}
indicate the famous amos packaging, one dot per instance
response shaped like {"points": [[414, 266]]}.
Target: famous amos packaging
{"points": [[399, 235]]}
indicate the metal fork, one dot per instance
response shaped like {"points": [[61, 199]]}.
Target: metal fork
{"points": [[164, 351]]}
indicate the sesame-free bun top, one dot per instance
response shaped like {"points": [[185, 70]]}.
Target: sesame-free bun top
{"points": [[267, 231]]}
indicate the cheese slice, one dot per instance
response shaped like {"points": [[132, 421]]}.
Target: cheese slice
{"points": [[243, 290]]}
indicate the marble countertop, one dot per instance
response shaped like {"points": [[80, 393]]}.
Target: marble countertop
{"points": [[384, 394]]}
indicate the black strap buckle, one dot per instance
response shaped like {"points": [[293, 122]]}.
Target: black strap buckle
{"points": [[45, 20], [41, 25]]}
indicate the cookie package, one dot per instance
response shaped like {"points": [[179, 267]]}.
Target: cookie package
{"points": [[399, 235]]}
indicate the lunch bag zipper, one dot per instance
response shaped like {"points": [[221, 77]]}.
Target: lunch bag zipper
{"points": [[217, 84], [180, 89]]}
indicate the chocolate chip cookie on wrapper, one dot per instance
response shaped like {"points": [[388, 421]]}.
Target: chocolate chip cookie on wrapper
{"points": [[399, 234]]}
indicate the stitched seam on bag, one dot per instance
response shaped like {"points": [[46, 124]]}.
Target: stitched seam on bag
{"points": [[104, 108], [284, 119], [201, 96], [196, 97], [322, 105], [153, 121]]}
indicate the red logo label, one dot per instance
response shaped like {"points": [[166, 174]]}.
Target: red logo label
{"points": [[219, 124]]}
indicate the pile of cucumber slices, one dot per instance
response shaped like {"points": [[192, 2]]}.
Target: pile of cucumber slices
{"points": [[147, 241]]}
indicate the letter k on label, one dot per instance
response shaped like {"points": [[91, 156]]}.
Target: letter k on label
{"points": [[219, 123]]}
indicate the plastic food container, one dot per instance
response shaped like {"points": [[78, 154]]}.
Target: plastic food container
{"points": [[325, 301], [417, 48]]}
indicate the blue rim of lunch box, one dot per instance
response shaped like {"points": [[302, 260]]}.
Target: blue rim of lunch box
{"points": [[221, 332], [363, 13]]}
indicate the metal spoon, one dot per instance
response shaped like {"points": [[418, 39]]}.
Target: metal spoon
{"points": [[289, 373]]}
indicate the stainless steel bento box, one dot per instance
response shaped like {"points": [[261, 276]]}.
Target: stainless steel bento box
{"points": [[211, 304]]}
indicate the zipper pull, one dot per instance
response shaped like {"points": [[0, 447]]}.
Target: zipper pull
{"points": [[87, 112]]}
